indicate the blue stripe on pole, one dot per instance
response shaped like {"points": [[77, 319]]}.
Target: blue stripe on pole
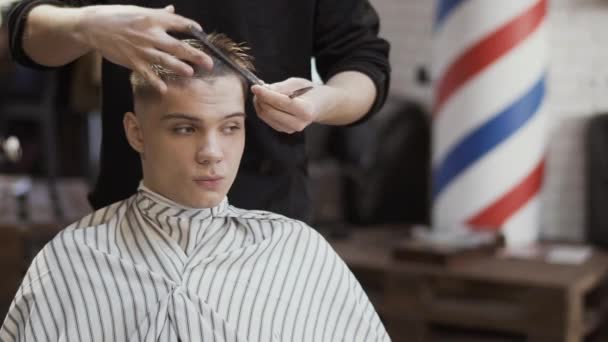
{"points": [[481, 141], [444, 8]]}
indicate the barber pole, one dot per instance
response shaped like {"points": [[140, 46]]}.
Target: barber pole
{"points": [[489, 66]]}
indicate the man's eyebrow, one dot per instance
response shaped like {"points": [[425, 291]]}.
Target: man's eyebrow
{"points": [[229, 116], [189, 117], [171, 116]]}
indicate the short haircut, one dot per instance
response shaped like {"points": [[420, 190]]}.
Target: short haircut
{"points": [[236, 52]]}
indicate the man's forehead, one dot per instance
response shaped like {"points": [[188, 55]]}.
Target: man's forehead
{"points": [[197, 117], [226, 89], [222, 96], [207, 82]]}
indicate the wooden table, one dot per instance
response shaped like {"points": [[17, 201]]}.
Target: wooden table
{"points": [[21, 237], [538, 300]]}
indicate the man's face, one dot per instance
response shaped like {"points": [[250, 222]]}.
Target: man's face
{"points": [[191, 139]]}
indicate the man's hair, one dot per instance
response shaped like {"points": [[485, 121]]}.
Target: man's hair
{"points": [[236, 52]]}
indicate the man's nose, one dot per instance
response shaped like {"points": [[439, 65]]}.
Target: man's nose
{"points": [[209, 150]]}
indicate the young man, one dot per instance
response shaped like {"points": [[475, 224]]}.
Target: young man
{"points": [[176, 262], [342, 36]]}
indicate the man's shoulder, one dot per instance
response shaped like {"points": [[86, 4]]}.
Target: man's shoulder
{"points": [[262, 216], [100, 216], [272, 222], [90, 231], [97, 220], [253, 214]]}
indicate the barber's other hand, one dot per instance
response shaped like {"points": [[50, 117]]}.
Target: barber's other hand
{"points": [[287, 115], [136, 37]]}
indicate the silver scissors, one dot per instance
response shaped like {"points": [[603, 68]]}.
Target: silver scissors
{"points": [[251, 77]]}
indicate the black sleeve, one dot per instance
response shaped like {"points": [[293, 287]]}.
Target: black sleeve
{"points": [[16, 25], [346, 39]]}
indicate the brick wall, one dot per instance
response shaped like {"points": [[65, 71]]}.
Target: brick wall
{"points": [[577, 89]]}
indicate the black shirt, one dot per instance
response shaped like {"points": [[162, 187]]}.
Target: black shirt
{"points": [[283, 36]]}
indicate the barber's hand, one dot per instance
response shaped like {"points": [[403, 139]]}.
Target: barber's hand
{"points": [[136, 37], [274, 106]]}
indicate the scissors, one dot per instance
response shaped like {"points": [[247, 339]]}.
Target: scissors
{"points": [[249, 76]]}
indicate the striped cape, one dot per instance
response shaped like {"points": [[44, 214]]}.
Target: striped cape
{"points": [[148, 269]]}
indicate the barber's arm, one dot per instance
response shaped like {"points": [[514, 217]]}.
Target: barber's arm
{"points": [[352, 60], [130, 36]]}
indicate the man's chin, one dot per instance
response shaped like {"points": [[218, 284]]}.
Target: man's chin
{"points": [[210, 200]]}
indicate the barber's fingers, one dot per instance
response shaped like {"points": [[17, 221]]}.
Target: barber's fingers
{"points": [[175, 22], [168, 61], [183, 51], [169, 21], [270, 121], [297, 107], [290, 85], [279, 127], [280, 120]]}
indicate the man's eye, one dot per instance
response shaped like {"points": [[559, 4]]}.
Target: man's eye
{"points": [[231, 129], [183, 130]]}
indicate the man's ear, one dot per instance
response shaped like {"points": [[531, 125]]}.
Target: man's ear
{"points": [[133, 132]]}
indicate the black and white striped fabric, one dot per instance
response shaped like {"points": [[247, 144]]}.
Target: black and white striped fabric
{"points": [[148, 269]]}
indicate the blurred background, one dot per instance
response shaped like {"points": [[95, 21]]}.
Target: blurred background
{"points": [[370, 185]]}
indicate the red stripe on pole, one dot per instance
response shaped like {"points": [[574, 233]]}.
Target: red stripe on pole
{"points": [[494, 216], [488, 50]]}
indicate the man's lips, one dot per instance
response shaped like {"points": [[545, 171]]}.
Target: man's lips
{"points": [[208, 178], [209, 182]]}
